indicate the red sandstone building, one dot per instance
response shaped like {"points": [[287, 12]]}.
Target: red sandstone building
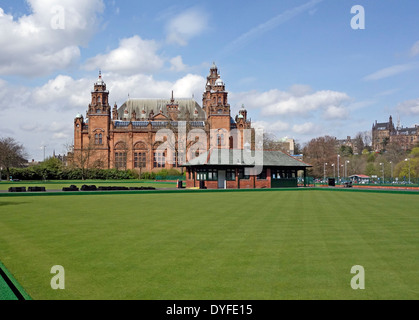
{"points": [[128, 137], [385, 133]]}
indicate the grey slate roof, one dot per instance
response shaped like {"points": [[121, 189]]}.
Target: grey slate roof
{"points": [[236, 157], [160, 104]]}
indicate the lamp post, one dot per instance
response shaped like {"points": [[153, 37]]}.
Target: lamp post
{"points": [[409, 167], [324, 171], [391, 170], [346, 168], [334, 171], [338, 166], [382, 165]]}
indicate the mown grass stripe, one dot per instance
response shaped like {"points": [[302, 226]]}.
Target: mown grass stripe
{"points": [[7, 286], [71, 193]]}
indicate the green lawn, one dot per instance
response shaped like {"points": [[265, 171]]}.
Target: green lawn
{"points": [[227, 245], [59, 185]]}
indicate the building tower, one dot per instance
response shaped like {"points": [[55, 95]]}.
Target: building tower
{"points": [[99, 120], [217, 109]]}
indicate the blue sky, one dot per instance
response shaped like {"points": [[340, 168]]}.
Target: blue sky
{"points": [[297, 66]]}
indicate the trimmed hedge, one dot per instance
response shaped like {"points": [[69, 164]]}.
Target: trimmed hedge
{"points": [[36, 173], [45, 173]]}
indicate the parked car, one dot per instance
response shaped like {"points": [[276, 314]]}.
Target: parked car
{"points": [[347, 184]]}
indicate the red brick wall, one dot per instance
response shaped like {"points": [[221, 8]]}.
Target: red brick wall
{"points": [[263, 183], [246, 183]]}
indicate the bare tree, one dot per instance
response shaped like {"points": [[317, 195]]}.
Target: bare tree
{"points": [[320, 151], [12, 154], [359, 143], [81, 158]]}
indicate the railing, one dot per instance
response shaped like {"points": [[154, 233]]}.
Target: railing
{"points": [[372, 182], [171, 178]]}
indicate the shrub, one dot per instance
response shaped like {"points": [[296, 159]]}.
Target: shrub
{"points": [[148, 176]]}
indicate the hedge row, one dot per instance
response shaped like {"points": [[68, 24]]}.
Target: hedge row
{"points": [[39, 173]]}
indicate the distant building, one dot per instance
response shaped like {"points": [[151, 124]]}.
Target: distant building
{"points": [[349, 142], [384, 133], [287, 145]]}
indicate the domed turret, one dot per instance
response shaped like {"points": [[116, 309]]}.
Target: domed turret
{"points": [[100, 81], [219, 82]]}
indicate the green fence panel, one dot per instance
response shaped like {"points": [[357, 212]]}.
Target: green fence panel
{"points": [[171, 178]]}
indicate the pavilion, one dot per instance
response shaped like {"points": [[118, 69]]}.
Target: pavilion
{"points": [[244, 169]]}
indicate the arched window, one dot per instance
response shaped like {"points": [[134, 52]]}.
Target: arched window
{"points": [[220, 139], [140, 155], [98, 138], [121, 156], [159, 157]]}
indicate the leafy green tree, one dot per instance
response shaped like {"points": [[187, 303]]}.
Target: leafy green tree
{"points": [[346, 151], [371, 169], [371, 157], [415, 152]]}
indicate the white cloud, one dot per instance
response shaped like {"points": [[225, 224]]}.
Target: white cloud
{"points": [[277, 126], [187, 25], [63, 92], [260, 125], [177, 64], [414, 51], [298, 101], [389, 72], [307, 128], [189, 85], [12, 97], [49, 38], [255, 99], [144, 86], [410, 107], [134, 55], [303, 105], [335, 112]]}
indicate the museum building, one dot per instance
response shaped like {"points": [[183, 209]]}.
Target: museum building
{"points": [[125, 137]]}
